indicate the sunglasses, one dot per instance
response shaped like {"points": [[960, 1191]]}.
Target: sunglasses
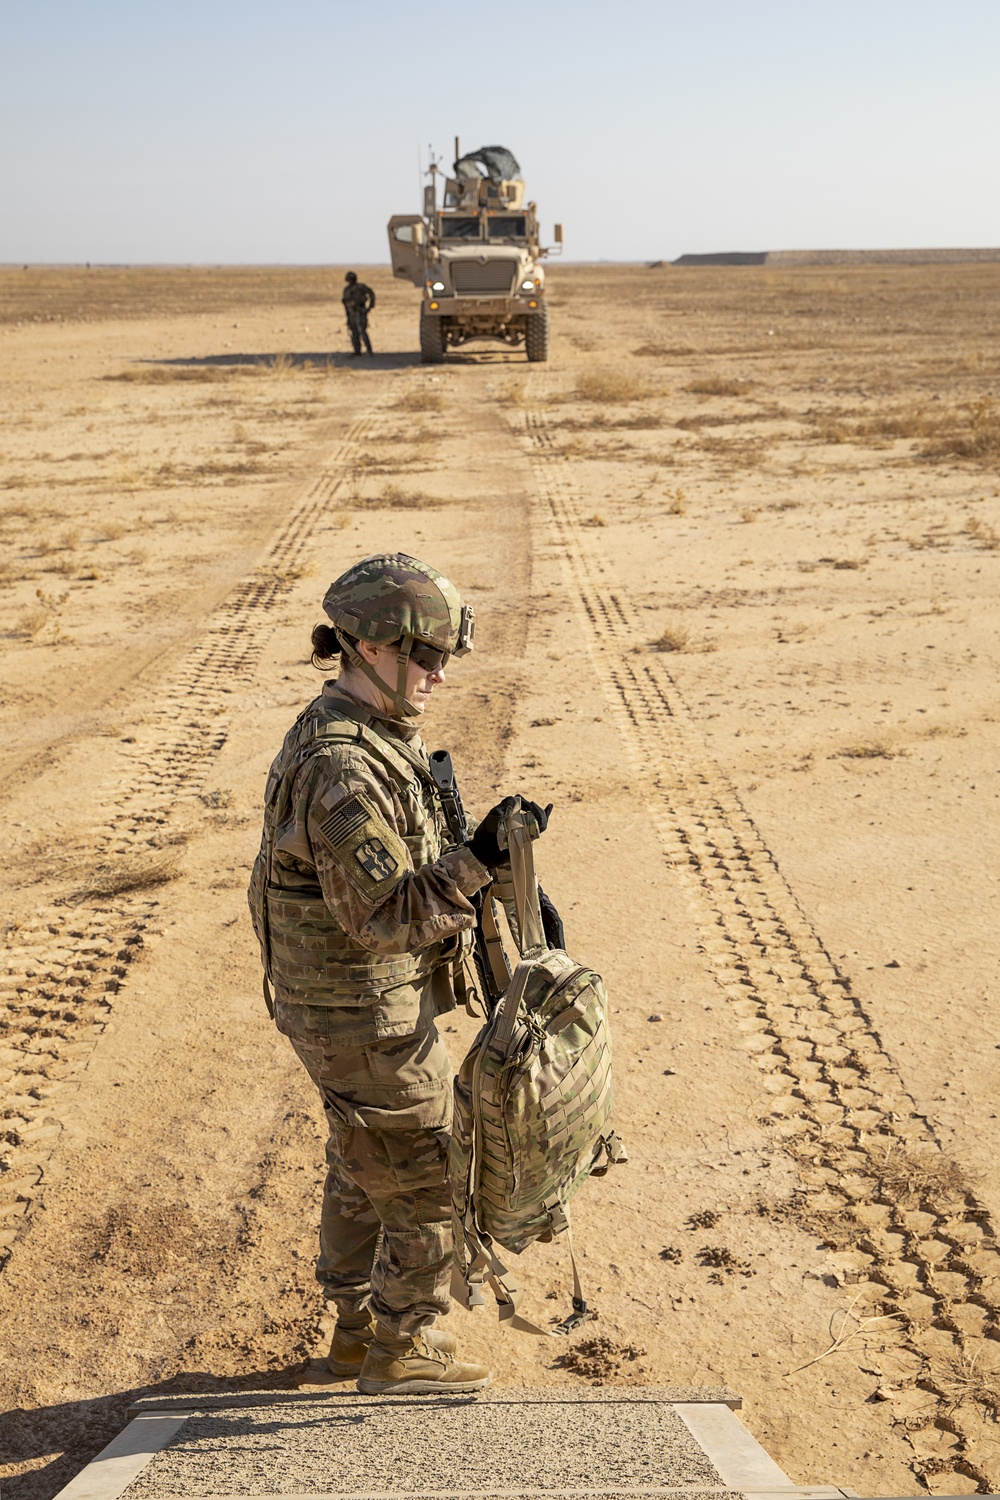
{"points": [[428, 658]]}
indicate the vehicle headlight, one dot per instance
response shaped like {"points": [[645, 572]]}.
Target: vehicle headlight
{"points": [[527, 286], [437, 286]]}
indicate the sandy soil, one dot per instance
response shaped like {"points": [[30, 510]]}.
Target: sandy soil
{"points": [[735, 554]]}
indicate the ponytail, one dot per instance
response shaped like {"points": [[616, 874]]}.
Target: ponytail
{"points": [[326, 648]]}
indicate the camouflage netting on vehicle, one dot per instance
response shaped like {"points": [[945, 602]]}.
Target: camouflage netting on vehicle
{"points": [[494, 162]]}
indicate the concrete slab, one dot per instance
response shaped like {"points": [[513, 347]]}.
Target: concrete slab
{"points": [[342, 1391], [604, 1444], [115, 1467]]}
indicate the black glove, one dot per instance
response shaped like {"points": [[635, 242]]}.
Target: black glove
{"points": [[551, 922], [540, 814], [483, 842]]}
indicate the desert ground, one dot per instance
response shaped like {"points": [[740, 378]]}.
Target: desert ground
{"points": [[735, 554]]}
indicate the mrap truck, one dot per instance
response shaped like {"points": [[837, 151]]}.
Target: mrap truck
{"points": [[476, 258]]}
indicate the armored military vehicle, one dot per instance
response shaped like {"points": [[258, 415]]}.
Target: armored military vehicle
{"points": [[476, 257]]}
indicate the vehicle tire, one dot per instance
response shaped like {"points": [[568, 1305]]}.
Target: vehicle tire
{"points": [[536, 336], [432, 340]]}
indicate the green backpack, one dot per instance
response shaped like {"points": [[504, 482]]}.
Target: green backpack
{"points": [[532, 1103]]}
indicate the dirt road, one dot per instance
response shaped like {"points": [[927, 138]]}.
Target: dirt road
{"points": [[734, 557]]}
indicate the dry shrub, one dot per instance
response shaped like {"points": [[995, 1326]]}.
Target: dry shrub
{"points": [[396, 498], [963, 1379], [718, 385], [32, 622], [849, 564], [873, 749], [512, 394], [979, 438], [128, 872], [909, 1178], [749, 514], [971, 431], [419, 400], [112, 531], [982, 532], [674, 637], [612, 385]]}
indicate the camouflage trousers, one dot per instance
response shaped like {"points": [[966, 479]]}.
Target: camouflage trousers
{"points": [[385, 1228], [357, 325]]}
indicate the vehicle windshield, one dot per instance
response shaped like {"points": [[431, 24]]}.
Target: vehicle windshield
{"points": [[459, 229], [510, 227]]}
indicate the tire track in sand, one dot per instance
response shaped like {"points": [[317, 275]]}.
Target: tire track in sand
{"points": [[60, 972], [873, 1179]]}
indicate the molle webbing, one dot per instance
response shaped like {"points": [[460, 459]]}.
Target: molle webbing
{"points": [[304, 950], [316, 960]]}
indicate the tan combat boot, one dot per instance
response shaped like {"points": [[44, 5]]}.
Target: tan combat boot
{"points": [[350, 1344], [414, 1366]]}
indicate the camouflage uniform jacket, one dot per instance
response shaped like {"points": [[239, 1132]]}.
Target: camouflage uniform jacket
{"points": [[358, 298], [358, 895]]}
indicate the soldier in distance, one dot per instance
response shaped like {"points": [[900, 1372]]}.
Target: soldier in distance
{"points": [[360, 900], [359, 301]]}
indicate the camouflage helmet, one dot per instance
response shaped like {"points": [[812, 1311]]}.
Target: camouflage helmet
{"points": [[394, 597]]}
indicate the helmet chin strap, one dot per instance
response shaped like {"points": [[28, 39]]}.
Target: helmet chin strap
{"points": [[396, 695]]}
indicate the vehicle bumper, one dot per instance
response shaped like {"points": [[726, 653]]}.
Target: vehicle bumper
{"points": [[505, 307]]}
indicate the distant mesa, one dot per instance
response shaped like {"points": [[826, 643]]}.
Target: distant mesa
{"points": [[831, 258]]}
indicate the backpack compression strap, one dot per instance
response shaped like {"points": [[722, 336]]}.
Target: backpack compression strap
{"points": [[522, 869]]}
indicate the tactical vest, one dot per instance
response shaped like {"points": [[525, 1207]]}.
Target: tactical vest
{"points": [[305, 953]]}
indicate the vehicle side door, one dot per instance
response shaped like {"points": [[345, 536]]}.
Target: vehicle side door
{"points": [[406, 247]]}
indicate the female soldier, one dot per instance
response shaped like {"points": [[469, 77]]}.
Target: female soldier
{"points": [[361, 905]]}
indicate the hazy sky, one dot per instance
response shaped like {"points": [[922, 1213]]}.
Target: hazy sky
{"points": [[216, 131]]}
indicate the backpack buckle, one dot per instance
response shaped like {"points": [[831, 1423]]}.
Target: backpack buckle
{"points": [[581, 1314]]}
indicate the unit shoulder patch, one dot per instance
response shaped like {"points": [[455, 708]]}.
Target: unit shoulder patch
{"points": [[373, 856]]}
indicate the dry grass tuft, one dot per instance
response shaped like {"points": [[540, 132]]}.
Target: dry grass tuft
{"points": [[749, 514], [419, 400], [873, 749], [202, 374], [512, 394], [674, 637], [718, 385], [396, 498], [909, 1178], [32, 622], [612, 386], [129, 872], [983, 533], [979, 438], [963, 1379]]}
